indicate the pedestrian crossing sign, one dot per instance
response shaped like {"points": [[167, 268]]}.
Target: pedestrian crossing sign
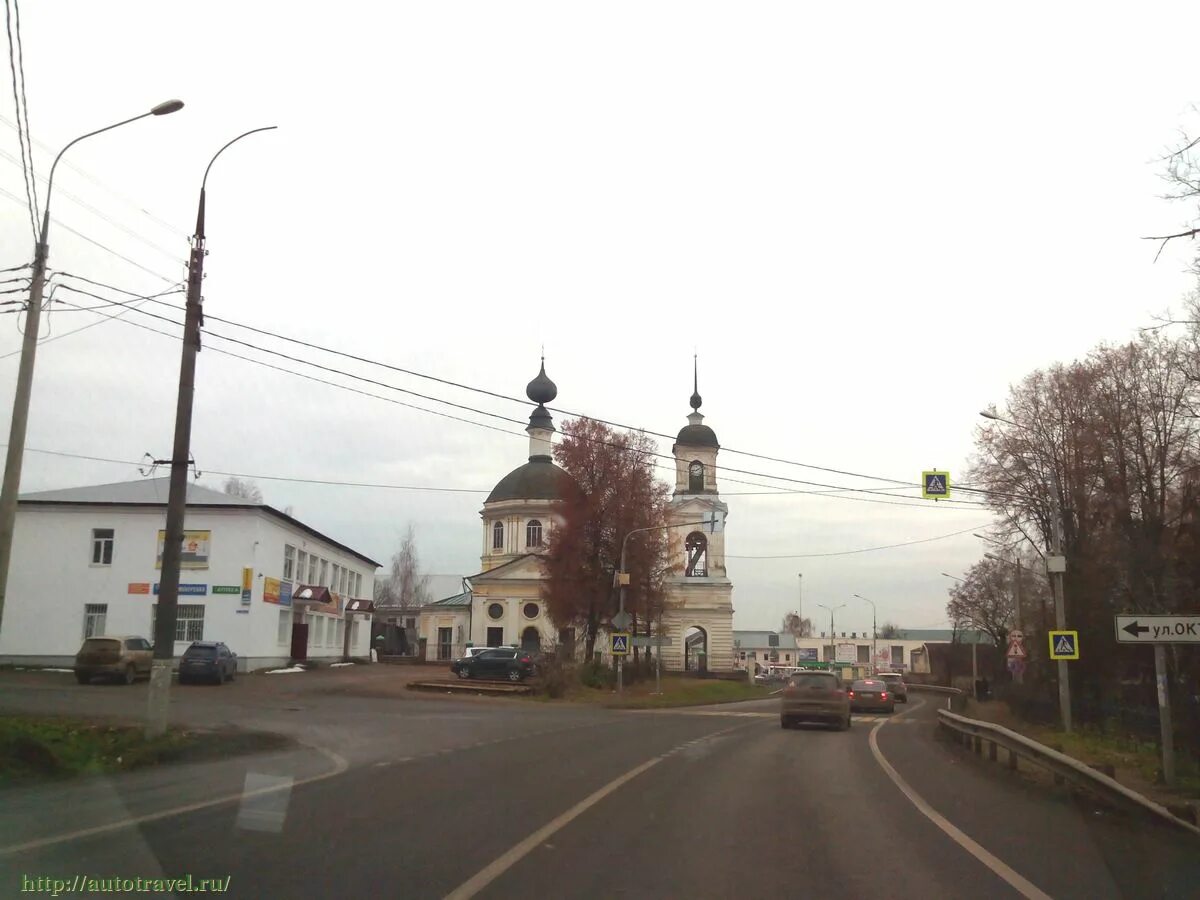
{"points": [[1064, 645], [935, 485], [620, 643]]}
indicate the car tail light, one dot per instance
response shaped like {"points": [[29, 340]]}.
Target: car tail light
{"points": [[883, 696], [850, 694]]}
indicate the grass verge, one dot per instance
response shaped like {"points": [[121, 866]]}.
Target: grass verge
{"points": [[38, 748], [1137, 763]]}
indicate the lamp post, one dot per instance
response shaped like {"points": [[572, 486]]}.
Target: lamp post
{"points": [[20, 413], [832, 650], [874, 637], [168, 595], [1056, 579]]}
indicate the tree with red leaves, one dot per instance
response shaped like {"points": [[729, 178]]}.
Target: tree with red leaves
{"points": [[617, 493]]}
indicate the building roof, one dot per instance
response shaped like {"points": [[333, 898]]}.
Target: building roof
{"points": [[151, 491], [463, 599], [538, 479], [154, 492]]}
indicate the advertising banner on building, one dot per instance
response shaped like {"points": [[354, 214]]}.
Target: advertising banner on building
{"points": [[807, 654], [247, 585], [846, 653], [194, 550], [285, 593], [271, 590]]}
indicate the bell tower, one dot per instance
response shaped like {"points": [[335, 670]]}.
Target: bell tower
{"points": [[699, 615]]}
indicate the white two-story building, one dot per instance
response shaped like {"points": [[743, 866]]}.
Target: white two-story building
{"points": [[87, 561]]}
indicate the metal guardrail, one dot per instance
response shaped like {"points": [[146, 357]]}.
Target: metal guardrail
{"points": [[1063, 767]]}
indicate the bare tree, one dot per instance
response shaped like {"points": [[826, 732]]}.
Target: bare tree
{"points": [[890, 631], [794, 625], [404, 587], [982, 601], [246, 489], [1181, 172]]}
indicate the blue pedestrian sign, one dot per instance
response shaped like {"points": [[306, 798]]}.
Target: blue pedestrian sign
{"points": [[620, 643], [935, 485], [1064, 645]]}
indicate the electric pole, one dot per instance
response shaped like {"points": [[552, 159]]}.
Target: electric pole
{"points": [[168, 593]]}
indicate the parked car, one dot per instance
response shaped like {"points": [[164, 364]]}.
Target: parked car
{"points": [[495, 662], [895, 683], [207, 661], [475, 651], [814, 697], [871, 694], [123, 657]]}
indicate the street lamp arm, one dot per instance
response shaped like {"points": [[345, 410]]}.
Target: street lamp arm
{"points": [[162, 109], [204, 180]]}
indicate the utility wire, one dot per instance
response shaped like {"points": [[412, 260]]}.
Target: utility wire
{"points": [[66, 163], [940, 537], [434, 399], [18, 91], [671, 467], [832, 494]]}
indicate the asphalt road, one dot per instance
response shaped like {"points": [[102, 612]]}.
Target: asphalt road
{"points": [[450, 797]]}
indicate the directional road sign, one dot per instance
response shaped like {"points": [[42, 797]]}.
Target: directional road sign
{"points": [[650, 640], [621, 621], [620, 643], [1064, 645], [935, 485], [1181, 629]]}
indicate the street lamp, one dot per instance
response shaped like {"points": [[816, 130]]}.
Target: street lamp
{"points": [[955, 577], [33, 315], [168, 594], [874, 637], [1056, 581], [832, 610]]}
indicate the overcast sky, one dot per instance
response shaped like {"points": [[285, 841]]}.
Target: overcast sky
{"points": [[868, 220]]}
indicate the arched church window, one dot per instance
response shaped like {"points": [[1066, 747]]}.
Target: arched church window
{"points": [[696, 476], [533, 533], [498, 536], [696, 548]]}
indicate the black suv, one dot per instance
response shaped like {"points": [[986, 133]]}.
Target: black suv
{"points": [[207, 661], [499, 662]]}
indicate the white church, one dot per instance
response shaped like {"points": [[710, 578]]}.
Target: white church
{"points": [[502, 604]]}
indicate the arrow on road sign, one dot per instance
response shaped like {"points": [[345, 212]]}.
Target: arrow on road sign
{"points": [[1135, 629], [1178, 628]]}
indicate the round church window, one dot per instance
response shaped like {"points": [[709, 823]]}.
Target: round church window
{"points": [[496, 611], [531, 610]]}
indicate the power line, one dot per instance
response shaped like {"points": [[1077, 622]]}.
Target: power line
{"points": [[66, 163], [93, 241], [368, 361], [18, 91], [671, 467], [940, 537]]}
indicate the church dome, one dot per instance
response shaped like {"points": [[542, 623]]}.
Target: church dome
{"points": [[697, 435], [541, 390], [538, 479]]}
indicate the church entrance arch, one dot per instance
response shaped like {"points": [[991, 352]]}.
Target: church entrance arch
{"points": [[531, 640], [695, 650]]}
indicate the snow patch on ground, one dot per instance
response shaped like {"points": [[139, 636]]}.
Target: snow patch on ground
{"points": [[337, 665], [284, 671]]}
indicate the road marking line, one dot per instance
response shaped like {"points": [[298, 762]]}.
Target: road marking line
{"points": [[1017, 881], [340, 765], [517, 852]]}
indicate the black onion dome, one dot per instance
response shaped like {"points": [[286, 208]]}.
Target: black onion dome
{"points": [[538, 479], [697, 436], [541, 390]]}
